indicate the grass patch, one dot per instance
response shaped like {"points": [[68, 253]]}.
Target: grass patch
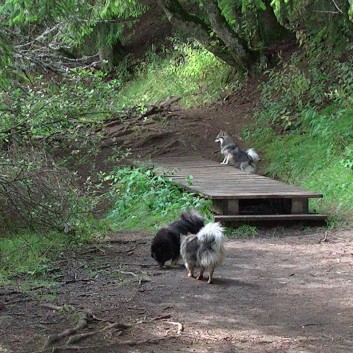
{"points": [[189, 71], [316, 161], [306, 133], [26, 257], [145, 201]]}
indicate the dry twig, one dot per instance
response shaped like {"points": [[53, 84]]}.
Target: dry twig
{"points": [[324, 239], [180, 326]]}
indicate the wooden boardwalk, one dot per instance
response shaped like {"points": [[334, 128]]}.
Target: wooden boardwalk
{"points": [[237, 196]]}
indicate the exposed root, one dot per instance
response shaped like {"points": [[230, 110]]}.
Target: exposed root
{"points": [[157, 318], [84, 318], [116, 344], [148, 341], [79, 337]]}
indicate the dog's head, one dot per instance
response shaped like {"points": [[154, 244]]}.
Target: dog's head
{"points": [[155, 255], [221, 136], [162, 248], [158, 256]]}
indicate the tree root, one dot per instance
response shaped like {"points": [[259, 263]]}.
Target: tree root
{"points": [[84, 318], [116, 344]]}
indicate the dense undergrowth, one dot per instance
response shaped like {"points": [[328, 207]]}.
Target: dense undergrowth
{"points": [[60, 113], [146, 201], [304, 128]]}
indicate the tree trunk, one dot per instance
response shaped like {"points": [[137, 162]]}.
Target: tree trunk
{"points": [[110, 53], [271, 30], [194, 26], [237, 47]]}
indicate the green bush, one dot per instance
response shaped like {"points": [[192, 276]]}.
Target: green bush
{"points": [[60, 110], [144, 200]]}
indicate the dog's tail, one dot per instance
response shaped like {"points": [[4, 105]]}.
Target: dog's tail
{"points": [[211, 238], [253, 155], [193, 217]]}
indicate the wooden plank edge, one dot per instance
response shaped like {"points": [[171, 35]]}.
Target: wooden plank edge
{"points": [[277, 217]]}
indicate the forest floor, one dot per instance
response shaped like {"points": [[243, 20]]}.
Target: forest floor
{"points": [[287, 290]]}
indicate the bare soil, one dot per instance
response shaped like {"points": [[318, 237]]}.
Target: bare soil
{"points": [[287, 291], [168, 129]]}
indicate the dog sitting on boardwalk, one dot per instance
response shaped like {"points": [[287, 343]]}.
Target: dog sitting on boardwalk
{"points": [[204, 250], [166, 243], [245, 161]]}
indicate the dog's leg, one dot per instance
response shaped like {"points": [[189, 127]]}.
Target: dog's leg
{"points": [[190, 270], [224, 160], [227, 159], [174, 262], [200, 276], [210, 277]]}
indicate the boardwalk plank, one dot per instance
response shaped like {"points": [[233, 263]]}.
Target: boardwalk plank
{"points": [[227, 186]]}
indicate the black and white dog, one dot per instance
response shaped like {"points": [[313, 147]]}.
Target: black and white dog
{"points": [[204, 250], [245, 161]]}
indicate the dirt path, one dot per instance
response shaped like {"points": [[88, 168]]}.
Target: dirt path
{"points": [[281, 293]]}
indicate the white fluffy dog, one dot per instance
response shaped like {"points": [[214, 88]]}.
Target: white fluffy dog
{"points": [[204, 249]]}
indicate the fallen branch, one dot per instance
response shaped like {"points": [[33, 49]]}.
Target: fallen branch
{"points": [[148, 341], [136, 264], [127, 273], [128, 250], [157, 318], [57, 308]]}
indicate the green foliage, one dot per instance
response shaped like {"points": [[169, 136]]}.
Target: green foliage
{"points": [[324, 19], [144, 200], [306, 128], [26, 255], [244, 231], [119, 8], [78, 18], [189, 71], [64, 109]]}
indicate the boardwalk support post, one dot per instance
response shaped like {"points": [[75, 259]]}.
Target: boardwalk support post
{"points": [[226, 207], [233, 207], [299, 206]]}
